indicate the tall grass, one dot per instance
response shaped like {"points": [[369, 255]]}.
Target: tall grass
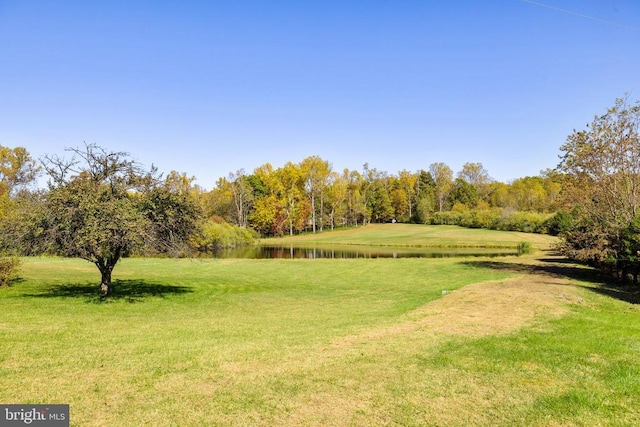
{"points": [[524, 248]]}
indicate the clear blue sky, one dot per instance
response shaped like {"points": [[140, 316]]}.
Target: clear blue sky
{"points": [[209, 87]]}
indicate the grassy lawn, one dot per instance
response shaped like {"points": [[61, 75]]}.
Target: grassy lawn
{"points": [[512, 341], [428, 236]]}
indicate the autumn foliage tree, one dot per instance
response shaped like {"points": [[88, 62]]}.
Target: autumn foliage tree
{"points": [[309, 196], [315, 177], [18, 171], [443, 182], [601, 166]]}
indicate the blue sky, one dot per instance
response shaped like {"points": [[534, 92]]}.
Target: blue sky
{"points": [[209, 87]]}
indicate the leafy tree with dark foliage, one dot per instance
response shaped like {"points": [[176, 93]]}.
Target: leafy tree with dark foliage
{"points": [[601, 189], [101, 206]]}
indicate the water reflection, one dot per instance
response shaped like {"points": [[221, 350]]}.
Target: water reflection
{"points": [[316, 252]]}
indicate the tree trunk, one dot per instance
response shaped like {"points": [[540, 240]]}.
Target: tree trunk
{"points": [[106, 288], [321, 212], [313, 210], [331, 216], [106, 267]]}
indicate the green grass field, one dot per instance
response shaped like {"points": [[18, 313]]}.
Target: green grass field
{"points": [[512, 341]]}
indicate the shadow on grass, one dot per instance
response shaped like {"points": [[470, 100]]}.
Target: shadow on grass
{"points": [[14, 281], [562, 267], [125, 290]]}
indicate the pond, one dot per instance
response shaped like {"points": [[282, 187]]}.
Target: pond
{"points": [[353, 251]]}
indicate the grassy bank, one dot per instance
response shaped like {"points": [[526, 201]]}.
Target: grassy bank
{"points": [[427, 236], [321, 342]]}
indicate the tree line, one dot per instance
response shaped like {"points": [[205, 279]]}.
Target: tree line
{"points": [[310, 196], [102, 206]]}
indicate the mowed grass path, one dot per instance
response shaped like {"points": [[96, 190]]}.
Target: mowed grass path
{"points": [[320, 342], [427, 236]]}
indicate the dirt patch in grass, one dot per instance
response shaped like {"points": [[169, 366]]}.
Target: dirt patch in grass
{"points": [[499, 307], [486, 308]]}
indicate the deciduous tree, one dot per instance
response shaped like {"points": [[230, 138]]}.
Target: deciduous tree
{"points": [[464, 193], [242, 196], [315, 174], [101, 206], [601, 166], [443, 182], [476, 175], [407, 184], [17, 169], [337, 198]]}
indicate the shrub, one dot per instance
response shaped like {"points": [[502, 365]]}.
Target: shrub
{"points": [[481, 218], [215, 235], [527, 222], [495, 219], [8, 269], [560, 223], [446, 218], [524, 248]]}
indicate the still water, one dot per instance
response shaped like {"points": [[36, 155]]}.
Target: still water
{"points": [[332, 251]]}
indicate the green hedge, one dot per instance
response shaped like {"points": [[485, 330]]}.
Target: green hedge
{"points": [[496, 219], [216, 235]]}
